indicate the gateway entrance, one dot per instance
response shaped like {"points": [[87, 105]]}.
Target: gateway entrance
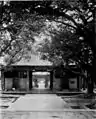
{"points": [[26, 78], [41, 80]]}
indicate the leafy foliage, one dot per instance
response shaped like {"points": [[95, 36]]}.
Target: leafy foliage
{"points": [[77, 17], [20, 35]]}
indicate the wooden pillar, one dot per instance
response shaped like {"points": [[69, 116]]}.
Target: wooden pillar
{"points": [[30, 80], [78, 85], [51, 80]]}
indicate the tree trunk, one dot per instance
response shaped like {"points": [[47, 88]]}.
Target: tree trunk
{"points": [[92, 78], [90, 87]]}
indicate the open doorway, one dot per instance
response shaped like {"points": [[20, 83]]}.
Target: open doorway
{"points": [[41, 80]]}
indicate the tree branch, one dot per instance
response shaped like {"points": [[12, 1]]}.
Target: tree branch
{"points": [[65, 24]]}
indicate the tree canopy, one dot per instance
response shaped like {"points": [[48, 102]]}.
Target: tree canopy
{"points": [[77, 17], [17, 35], [77, 14]]}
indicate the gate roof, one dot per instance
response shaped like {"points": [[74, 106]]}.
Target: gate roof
{"points": [[33, 61]]}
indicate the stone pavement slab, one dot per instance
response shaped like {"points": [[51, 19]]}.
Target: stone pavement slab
{"points": [[43, 115], [38, 102], [41, 106]]}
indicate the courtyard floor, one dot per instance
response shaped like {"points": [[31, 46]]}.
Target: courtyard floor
{"points": [[43, 106]]}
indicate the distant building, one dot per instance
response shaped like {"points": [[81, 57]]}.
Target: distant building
{"points": [[19, 76]]}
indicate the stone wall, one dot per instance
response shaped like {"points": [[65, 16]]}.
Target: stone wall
{"points": [[73, 83], [56, 83]]}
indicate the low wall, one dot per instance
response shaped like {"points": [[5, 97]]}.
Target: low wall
{"points": [[8, 83], [56, 83], [73, 83], [23, 83], [18, 84]]}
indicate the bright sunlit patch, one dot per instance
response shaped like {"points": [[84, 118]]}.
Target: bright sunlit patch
{"points": [[41, 73]]}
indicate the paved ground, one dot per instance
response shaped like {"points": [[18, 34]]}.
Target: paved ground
{"points": [[44, 115], [39, 102], [41, 106]]}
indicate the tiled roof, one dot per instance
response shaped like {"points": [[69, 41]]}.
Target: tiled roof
{"points": [[33, 61]]}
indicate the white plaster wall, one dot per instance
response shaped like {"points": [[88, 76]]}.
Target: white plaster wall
{"points": [[22, 83], [73, 85], [56, 83], [8, 83]]}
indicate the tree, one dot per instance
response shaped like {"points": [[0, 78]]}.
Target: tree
{"points": [[20, 33], [65, 48], [78, 15]]}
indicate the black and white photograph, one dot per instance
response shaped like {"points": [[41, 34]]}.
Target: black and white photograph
{"points": [[48, 59]]}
